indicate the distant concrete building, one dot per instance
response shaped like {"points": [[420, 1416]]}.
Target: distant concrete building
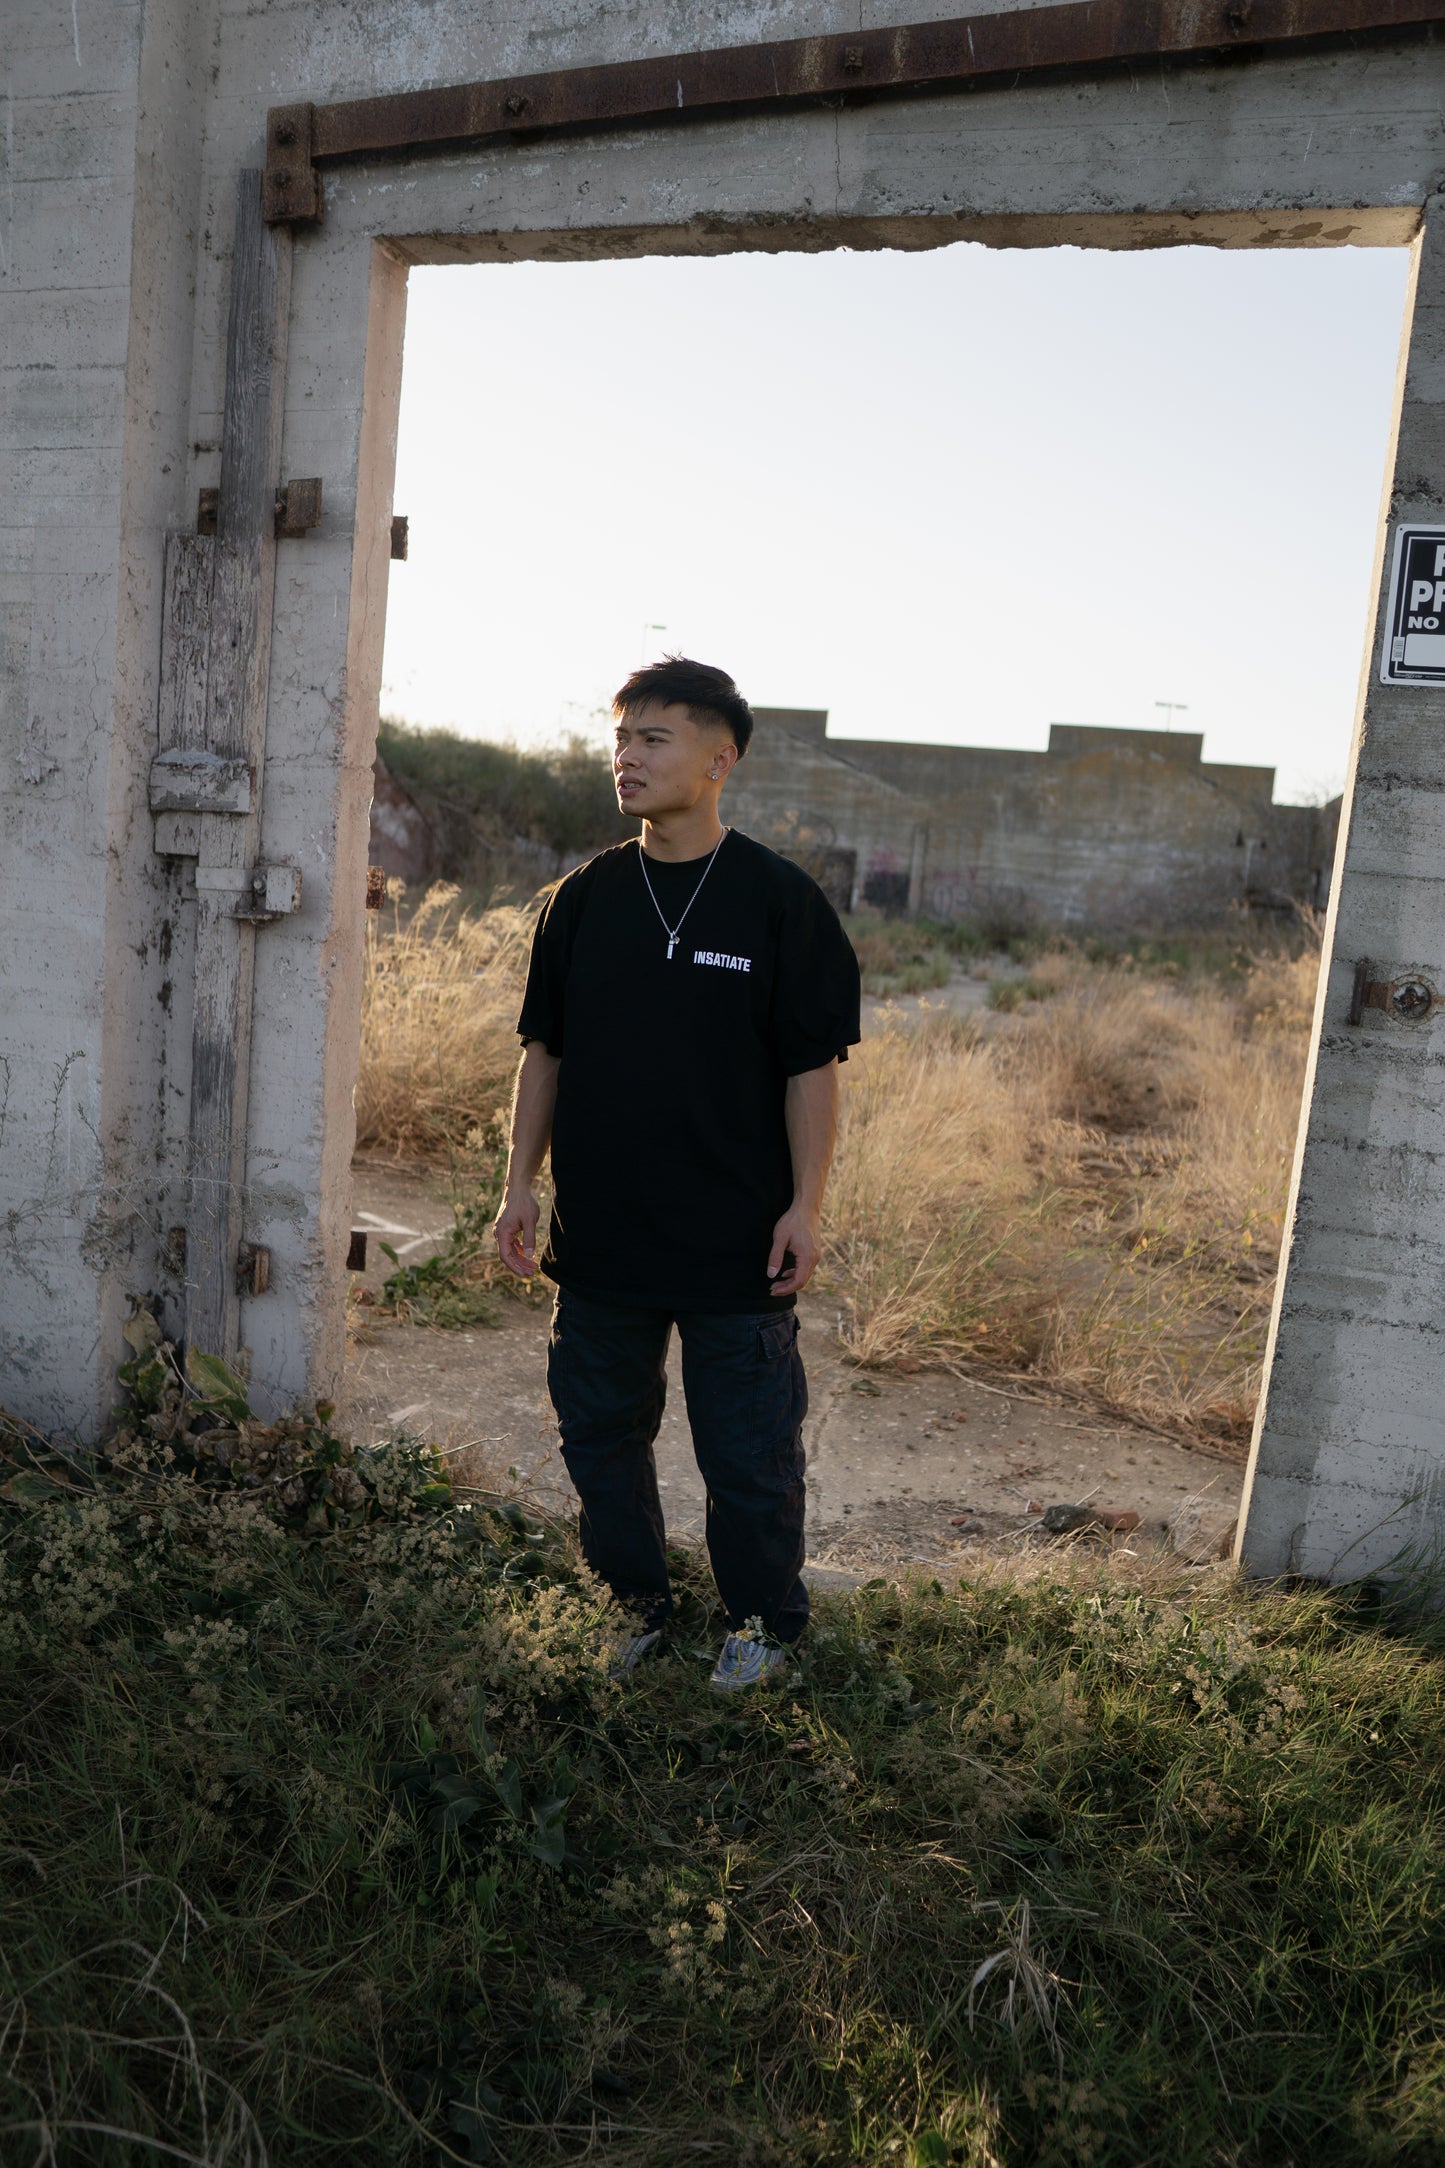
{"points": [[1108, 828]]}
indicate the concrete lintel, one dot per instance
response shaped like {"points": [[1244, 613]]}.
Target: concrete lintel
{"points": [[1379, 226]]}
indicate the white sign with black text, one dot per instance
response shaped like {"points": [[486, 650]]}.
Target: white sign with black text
{"points": [[1414, 646]]}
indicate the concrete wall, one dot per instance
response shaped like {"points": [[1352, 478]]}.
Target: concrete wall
{"points": [[125, 126], [1110, 828], [1347, 1472], [98, 232]]}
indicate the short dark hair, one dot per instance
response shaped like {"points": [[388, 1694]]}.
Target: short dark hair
{"points": [[709, 695]]}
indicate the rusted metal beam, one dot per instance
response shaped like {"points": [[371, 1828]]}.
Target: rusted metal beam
{"points": [[936, 57]]}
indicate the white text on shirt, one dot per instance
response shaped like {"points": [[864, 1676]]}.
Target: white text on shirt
{"points": [[727, 963]]}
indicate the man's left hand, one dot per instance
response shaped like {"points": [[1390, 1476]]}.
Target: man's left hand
{"points": [[797, 1234]]}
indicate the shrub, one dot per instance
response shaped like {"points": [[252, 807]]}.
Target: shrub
{"points": [[1094, 1193], [560, 797], [328, 1837]]}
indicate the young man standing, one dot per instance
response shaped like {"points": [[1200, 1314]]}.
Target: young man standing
{"points": [[689, 999]]}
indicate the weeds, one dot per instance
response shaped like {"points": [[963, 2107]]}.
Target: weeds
{"points": [[1094, 1195], [459, 1283], [1009, 995], [441, 991], [328, 1837], [1091, 1192], [480, 793], [908, 956]]}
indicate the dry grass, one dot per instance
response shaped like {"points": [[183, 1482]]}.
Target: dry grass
{"points": [[439, 1009], [1092, 1193], [1089, 1191]]}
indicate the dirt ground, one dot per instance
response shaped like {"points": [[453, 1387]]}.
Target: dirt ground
{"points": [[929, 1469]]}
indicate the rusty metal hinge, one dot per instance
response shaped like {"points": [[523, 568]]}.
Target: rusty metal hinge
{"points": [[253, 1269], [400, 537], [1409, 997]]}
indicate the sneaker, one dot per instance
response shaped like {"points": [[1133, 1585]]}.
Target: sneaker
{"points": [[631, 1653], [745, 1661]]}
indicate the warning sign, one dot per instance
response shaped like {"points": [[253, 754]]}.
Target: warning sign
{"points": [[1414, 649]]}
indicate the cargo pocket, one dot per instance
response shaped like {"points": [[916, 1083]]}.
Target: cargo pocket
{"points": [[779, 1335], [782, 1394]]}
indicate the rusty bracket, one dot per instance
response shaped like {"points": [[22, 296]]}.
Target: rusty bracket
{"points": [[253, 1269], [400, 536], [356, 1250], [291, 190], [375, 887], [1409, 997], [298, 507], [272, 892], [953, 55]]}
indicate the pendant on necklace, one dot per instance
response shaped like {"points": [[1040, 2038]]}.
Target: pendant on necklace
{"points": [[671, 945]]}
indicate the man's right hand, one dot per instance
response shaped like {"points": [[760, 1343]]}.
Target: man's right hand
{"points": [[516, 1232]]}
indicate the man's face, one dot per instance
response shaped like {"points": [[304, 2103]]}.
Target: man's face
{"points": [[664, 762]]}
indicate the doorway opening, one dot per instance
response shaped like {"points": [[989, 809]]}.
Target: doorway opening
{"points": [[998, 544]]}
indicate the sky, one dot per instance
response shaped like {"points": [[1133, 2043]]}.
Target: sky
{"points": [[951, 497]]}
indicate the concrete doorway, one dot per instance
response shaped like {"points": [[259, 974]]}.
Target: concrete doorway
{"points": [[1270, 139]]}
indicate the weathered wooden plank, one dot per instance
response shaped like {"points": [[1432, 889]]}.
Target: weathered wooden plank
{"points": [[239, 655], [255, 366], [178, 835], [240, 625], [185, 640], [221, 1013], [245, 566]]}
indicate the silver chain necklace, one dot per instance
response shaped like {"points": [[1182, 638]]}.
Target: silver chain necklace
{"points": [[672, 932]]}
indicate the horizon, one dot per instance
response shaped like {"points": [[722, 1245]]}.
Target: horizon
{"points": [[542, 746], [945, 495]]}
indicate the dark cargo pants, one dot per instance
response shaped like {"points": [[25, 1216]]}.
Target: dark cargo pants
{"points": [[746, 1400]]}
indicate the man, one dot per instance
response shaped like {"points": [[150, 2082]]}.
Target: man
{"points": [[689, 999]]}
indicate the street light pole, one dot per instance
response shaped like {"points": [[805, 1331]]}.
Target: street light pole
{"points": [[642, 659], [1175, 707]]}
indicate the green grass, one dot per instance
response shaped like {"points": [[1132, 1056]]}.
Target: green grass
{"points": [[1224, 954], [326, 1839], [909, 955], [912, 955], [1010, 995]]}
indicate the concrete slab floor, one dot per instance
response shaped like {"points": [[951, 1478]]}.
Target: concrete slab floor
{"points": [[894, 1462]]}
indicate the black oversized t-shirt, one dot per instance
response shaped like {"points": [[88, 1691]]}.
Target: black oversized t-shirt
{"points": [[670, 1161]]}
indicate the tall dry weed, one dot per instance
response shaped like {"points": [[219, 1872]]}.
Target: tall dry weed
{"points": [[1090, 1190], [440, 997], [1093, 1192]]}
